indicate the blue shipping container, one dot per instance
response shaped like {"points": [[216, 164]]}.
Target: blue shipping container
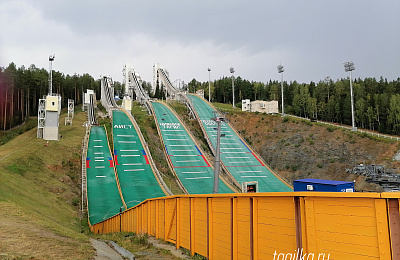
{"points": [[323, 185]]}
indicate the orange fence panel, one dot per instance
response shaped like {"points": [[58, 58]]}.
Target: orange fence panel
{"points": [[242, 228], [170, 220], [275, 224], [199, 218], [220, 228], [346, 228], [184, 220], [270, 225]]}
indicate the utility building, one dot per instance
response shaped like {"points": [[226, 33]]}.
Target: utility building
{"points": [[53, 108], [268, 107], [49, 111]]}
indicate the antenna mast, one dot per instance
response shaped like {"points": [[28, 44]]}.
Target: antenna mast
{"points": [[51, 59]]}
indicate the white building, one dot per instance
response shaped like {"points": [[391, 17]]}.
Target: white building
{"points": [[268, 107]]}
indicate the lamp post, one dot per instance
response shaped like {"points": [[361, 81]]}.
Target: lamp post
{"points": [[232, 70], [281, 70], [349, 67], [217, 161], [51, 59], [209, 85]]}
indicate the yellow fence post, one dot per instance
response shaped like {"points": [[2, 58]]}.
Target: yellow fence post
{"points": [[255, 227], [165, 220], [137, 219], [394, 226], [192, 227], [149, 218], [234, 229], [382, 229], [298, 224], [303, 223], [177, 214], [210, 228], [310, 226]]}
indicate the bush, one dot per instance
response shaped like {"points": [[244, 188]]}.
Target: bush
{"points": [[75, 202], [17, 168], [331, 128]]}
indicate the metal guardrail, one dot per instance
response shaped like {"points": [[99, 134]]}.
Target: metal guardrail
{"points": [[83, 176]]}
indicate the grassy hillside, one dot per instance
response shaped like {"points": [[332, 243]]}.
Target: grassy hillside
{"points": [[301, 149], [40, 196]]}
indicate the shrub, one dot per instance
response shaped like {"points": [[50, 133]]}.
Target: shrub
{"points": [[331, 128]]}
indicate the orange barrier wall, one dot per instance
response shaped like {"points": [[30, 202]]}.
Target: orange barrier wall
{"points": [[275, 226]]}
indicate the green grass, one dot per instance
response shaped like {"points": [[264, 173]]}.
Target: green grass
{"points": [[226, 107], [43, 181], [6, 136]]}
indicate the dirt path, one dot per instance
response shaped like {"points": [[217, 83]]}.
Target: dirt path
{"points": [[175, 252]]}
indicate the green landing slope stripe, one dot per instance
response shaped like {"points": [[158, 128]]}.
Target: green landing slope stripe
{"points": [[238, 158], [104, 199], [136, 177], [189, 163]]}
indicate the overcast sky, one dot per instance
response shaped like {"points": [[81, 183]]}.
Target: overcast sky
{"points": [[310, 38]]}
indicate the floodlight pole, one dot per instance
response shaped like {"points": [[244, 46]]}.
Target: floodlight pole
{"points": [[281, 70], [349, 67], [209, 85], [232, 70], [51, 59], [217, 161]]}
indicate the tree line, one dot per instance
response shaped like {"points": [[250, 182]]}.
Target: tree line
{"points": [[21, 88], [376, 102]]}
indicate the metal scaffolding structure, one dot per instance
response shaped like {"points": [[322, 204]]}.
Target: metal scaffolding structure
{"points": [[388, 179], [70, 116], [41, 117]]}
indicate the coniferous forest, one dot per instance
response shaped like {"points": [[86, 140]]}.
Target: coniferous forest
{"points": [[376, 101], [21, 88]]}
